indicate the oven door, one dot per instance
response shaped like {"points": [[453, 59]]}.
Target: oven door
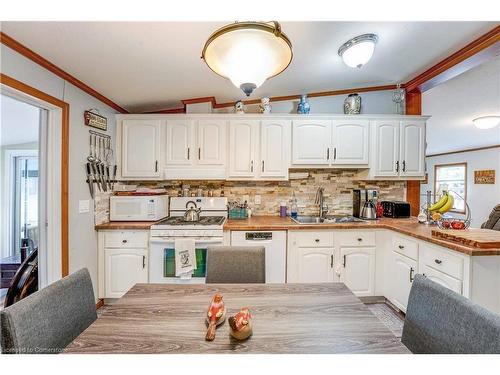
{"points": [[162, 260]]}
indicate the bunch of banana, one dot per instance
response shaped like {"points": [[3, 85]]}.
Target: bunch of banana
{"points": [[444, 204]]}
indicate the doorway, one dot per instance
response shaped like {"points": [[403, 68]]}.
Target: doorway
{"points": [[22, 174]]}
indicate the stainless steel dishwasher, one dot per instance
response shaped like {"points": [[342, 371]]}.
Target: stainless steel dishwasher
{"points": [[275, 244]]}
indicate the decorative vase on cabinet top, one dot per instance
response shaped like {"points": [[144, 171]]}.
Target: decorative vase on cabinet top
{"points": [[303, 108], [265, 105], [239, 107], [352, 104]]}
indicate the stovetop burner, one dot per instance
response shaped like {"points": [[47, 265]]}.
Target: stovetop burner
{"points": [[204, 220]]}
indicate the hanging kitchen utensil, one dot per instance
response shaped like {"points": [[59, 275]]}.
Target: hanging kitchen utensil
{"points": [[104, 182], [94, 164], [90, 180]]}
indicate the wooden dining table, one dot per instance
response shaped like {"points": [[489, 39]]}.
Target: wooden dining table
{"points": [[286, 318]]}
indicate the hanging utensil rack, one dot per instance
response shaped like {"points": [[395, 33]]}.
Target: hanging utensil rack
{"points": [[100, 167]]}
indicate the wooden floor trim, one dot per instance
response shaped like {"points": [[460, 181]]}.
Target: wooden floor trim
{"points": [[20, 86], [463, 150], [40, 60]]}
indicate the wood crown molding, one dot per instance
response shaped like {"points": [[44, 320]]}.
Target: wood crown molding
{"points": [[17, 85], [463, 150], [35, 57], [431, 77]]}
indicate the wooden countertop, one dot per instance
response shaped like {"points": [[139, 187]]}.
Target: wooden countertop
{"points": [[286, 318], [410, 227]]}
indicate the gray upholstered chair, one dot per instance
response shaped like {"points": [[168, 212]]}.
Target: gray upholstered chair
{"points": [[236, 264], [439, 320], [50, 319]]}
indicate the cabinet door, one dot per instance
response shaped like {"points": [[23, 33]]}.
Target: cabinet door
{"points": [[179, 143], [442, 279], [140, 148], [350, 142], [311, 142], [386, 148], [358, 270], [412, 150], [402, 271], [243, 142], [211, 142], [274, 148], [315, 265], [123, 268]]}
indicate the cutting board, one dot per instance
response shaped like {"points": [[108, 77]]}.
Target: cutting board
{"points": [[480, 238]]}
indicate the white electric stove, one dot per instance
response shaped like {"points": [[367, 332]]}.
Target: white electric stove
{"points": [[208, 231]]}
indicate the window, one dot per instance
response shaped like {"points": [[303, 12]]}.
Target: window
{"points": [[452, 177]]}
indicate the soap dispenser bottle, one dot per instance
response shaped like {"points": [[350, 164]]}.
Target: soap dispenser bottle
{"points": [[293, 207]]}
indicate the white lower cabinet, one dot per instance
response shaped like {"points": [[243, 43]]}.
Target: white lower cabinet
{"points": [[122, 261], [402, 271], [357, 270], [124, 268], [442, 279], [310, 257]]}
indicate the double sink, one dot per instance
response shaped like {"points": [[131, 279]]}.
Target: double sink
{"points": [[336, 219]]}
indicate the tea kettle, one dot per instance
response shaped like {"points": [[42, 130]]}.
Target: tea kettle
{"points": [[193, 213]]}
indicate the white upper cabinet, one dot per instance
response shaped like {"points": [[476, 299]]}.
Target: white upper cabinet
{"points": [[311, 142], [243, 148], [140, 148], [274, 148], [412, 150], [386, 161], [179, 150], [211, 139], [399, 148], [350, 142]]}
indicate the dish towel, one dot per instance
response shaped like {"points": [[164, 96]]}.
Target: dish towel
{"points": [[185, 257]]}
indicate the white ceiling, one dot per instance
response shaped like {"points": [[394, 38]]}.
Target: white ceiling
{"points": [[148, 66], [19, 122]]}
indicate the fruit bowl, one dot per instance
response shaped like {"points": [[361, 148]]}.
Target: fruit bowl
{"points": [[453, 223]]}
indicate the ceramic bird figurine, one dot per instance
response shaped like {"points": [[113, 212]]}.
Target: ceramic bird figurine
{"points": [[241, 324], [216, 315]]}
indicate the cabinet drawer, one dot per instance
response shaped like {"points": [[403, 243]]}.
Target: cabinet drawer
{"points": [[126, 239], [442, 261], [355, 238], [314, 239], [405, 247]]}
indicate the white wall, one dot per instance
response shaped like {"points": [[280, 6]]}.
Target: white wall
{"points": [[456, 102], [82, 236], [481, 198], [374, 102]]}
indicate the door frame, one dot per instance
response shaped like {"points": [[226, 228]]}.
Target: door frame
{"points": [[56, 144]]}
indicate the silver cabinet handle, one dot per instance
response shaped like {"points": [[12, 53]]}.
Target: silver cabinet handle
{"points": [[251, 166], [411, 274], [143, 261], [360, 239], [404, 166], [328, 153], [438, 261], [343, 261], [262, 165], [156, 166], [397, 166], [188, 153], [401, 247], [317, 240], [331, 261], [199, 153], [124, 241], [334, 153]]}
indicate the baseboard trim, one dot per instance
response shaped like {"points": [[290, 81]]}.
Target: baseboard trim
{"points": [[99, 304]]}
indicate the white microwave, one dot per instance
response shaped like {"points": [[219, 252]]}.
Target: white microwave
{"points": [[138, 208]]}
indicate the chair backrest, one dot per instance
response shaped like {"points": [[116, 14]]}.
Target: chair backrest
{"points": [[236, 264], [50, 319], [439, 320]]}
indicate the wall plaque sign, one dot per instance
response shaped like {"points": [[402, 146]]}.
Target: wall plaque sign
{"points": [[484, 177], [95, 120]]}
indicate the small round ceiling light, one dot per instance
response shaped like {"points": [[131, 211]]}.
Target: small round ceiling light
{"points": [[357, 51], [248, 53], [486, 122]]}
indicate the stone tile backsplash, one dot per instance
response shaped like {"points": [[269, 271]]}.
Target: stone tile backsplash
{"points": [[337, 184]]}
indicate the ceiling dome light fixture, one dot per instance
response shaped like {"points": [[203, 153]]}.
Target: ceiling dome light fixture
{"points": [[357, 51], [248, 53], [486, 122]]}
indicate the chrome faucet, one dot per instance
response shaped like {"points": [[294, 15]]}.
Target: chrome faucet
{"points": [[319, 200]]}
